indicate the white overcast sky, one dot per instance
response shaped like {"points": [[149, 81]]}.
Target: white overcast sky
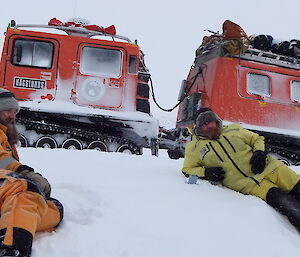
{"points": [[167, 31]]}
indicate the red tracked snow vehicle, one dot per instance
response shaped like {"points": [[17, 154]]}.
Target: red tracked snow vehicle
{"points": [[79, 86], [256, 85]]}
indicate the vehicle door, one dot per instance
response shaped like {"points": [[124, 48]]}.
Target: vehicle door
{"points": [[31, 67], [100, 76]]}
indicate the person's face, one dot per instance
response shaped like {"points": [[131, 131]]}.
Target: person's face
{"points": [[210, 130], [8, 117]]}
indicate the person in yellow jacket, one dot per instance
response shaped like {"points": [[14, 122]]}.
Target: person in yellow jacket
{"points": [[236, 158], [25, 202]]}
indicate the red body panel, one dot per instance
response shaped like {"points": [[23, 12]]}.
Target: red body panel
{"points": [[65, 79], [223, 87]]}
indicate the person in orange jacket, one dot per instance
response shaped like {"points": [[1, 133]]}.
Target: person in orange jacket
{"points": [[25, 203]]}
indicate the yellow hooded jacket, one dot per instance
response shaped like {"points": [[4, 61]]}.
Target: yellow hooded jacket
{"points": [[232, 151], [9, 158]]}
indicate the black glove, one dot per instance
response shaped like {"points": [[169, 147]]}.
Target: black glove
{"points": [[214, 174], [24, 167], [42, 183], [258, 161]]}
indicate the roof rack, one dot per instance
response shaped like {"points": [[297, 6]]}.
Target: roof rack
{"points": [[71, 30], [271, 58]]}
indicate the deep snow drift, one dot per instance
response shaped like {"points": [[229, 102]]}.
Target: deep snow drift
{"points": [[119, 205]]}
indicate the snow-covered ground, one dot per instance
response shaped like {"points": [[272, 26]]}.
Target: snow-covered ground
{"points": [[119, 205]]}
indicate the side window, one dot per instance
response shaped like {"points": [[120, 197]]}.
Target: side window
{"points": [[32, 53], [258, 84], [295, 91], [101, 61], [132, 64]]}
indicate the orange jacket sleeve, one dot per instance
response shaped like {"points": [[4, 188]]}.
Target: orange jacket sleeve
{"points": [[9, 158]]}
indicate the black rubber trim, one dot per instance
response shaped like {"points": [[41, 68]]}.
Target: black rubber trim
{"points": [[143, 90], [143, 105]]}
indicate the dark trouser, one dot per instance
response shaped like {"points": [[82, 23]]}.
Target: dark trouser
{"points": [[281, 190], [296, 191], [285, 203]]}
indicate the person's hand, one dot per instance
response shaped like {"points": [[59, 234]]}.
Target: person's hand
{"points": [[214, 174], [41, 182], [258, 161]]}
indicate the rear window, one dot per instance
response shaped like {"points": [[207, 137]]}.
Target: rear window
{"points": [[32, 53], [295, 91], [258, 84], [101, 62], [132, 64]]}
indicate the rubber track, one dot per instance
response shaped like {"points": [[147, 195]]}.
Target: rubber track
{"points": [[84, 135], [284, 152]]}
